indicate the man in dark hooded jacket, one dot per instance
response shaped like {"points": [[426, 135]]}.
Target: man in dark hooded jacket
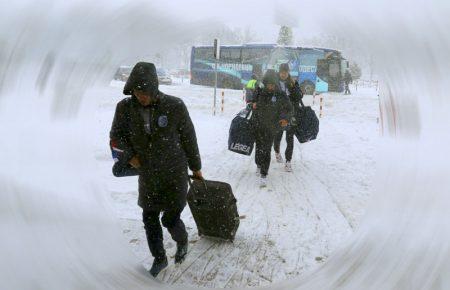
{"points": [[157, 137], [272, 110], [293, 91]]}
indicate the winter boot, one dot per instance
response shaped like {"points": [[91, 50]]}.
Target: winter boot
{"points": [[159, 264], [181, 253], [279, 157], [263, 181], [288, 166]]}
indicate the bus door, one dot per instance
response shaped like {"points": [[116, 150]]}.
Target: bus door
{"points": [[323, 69], [334, 75]]}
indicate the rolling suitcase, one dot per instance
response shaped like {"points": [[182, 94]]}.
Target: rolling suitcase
{"points": [[214, 209], [307, 124], [241, 138]]}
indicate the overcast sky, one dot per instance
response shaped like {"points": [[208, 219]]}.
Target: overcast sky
{"points": [[264, 17]]}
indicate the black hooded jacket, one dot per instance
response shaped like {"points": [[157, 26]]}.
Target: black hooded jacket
{"points": [[165, 147], [271, 108], [171, 142], [295, 93]]}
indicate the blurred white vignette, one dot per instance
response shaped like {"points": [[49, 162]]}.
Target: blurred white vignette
{"points": [[56, 226]]}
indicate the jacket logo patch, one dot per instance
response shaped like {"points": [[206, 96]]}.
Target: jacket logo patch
{"points": [[163, 121]]}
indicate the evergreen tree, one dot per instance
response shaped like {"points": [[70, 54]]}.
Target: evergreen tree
{"points": [[285, 36], [355, 71]]}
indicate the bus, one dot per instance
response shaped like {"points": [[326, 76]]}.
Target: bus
{"points": [[316, 69]]}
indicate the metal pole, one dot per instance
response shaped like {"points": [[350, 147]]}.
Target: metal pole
{"points": [[215, 88], [216, 58], [321, 106]]}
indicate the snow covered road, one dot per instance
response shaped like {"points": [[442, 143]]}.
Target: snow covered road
{"points": [[287, 228]]}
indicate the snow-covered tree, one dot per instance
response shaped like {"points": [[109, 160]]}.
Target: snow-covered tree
{"points": [[355, 71], [226, 34], [285, 36]]}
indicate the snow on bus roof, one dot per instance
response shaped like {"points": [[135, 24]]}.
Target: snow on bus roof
{"points": [[244, 45], [237, 45], [270, 45]]}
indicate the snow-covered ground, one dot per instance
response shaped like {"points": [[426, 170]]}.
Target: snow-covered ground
{"points": [[286, 229]]}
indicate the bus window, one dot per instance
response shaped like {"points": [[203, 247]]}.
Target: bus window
{"points": [[231, 54], [204, 53], [255, 55]]}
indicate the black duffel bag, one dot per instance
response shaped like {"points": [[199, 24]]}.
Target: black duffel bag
{"points": [[124, 170], [242, 136], [306, 126], [214, 209], [121, 168]]}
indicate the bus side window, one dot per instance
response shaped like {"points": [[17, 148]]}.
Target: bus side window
{"points": [[255, 55], [231, 54], [204, 53]]}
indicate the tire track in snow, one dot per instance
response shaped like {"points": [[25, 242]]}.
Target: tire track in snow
{"points": [[339, 207]]}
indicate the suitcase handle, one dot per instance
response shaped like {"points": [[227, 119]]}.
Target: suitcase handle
{"points": [[196, 178], [199, 179]]}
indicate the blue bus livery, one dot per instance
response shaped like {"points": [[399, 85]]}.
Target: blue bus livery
{"points": [[316, 69]]}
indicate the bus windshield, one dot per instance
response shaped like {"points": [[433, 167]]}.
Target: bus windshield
{"points": [[282, 55], [308, 59]]}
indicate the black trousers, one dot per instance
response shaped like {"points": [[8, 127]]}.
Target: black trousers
{"points": [[289, 141], [264, 141], [170, 220]]}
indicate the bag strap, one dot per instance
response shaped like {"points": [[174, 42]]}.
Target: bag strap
{"points": [[301, 103], [249, 114], [250, 110]]}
